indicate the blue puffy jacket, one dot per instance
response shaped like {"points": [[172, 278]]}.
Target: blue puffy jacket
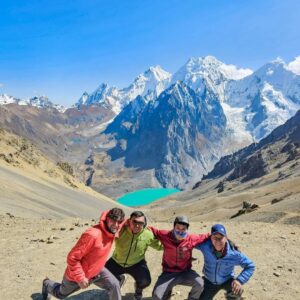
{"points": [[217, 271]]}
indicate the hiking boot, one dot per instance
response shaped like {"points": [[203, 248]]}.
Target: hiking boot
{"points": [[231, 296], [137, 297], [45, 295], [168, 295], [122, 280]]}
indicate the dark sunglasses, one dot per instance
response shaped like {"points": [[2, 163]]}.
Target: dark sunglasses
{"points": [[135, 222]]}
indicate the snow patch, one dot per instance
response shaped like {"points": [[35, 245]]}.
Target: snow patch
{"points": [[294, 65]]}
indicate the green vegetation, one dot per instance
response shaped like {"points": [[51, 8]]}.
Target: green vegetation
{"points": [[65, 166]]}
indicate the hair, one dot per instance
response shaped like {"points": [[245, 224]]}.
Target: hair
{"points": [[137, 214], [116, 214]]}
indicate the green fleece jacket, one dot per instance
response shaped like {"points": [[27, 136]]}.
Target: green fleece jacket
{"points": [[131, 248]]}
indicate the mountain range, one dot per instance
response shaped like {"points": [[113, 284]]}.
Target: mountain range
{"points": [[166, 129]]}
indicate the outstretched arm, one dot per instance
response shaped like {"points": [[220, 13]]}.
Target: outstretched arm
{"points": [[159, 234], [200, 238]]}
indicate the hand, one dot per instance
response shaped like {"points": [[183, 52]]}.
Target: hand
{"points": [[236, 287], [84, 283]]}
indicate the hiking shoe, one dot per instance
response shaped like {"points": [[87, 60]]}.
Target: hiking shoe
{"points": [[122, 280], [45, 295], [231, 296], [168, 295]]}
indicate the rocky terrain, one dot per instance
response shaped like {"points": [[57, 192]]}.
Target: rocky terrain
{"points": [[35, 248], [265, 173]]}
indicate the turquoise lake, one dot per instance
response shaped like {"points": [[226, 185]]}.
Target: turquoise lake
{"points": [[145, 196]]}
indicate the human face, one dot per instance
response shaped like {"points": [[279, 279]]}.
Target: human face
{"points": [[180, 228], [137, 224], [219, 241], [113, 225]]}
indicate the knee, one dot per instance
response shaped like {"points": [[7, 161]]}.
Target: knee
{"points": [[142, 284], [113, 284], [199, 282]]}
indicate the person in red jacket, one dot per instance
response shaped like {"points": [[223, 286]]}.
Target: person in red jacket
{"points": [[177, 260], [85, 262]]}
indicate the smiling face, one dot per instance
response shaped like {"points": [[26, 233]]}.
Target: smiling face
{"points": [[112, 225], [219, 241], [136, 224]]}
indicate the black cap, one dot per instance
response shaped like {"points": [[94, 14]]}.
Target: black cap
{"points": [[182, 220]]}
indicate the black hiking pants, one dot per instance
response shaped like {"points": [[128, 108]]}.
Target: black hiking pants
{"points": [[210, 290], [140, 272]]}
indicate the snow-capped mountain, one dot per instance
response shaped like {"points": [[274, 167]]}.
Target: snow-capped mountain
{"points": [[155, 120], [265, 99], [179, 135], [38, 101], [251, 105], [7, 99], [149, 85], [209, 73]]}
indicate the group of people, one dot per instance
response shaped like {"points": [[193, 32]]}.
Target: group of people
{"points": [[88, 261]]}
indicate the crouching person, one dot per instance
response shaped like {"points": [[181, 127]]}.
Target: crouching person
{"points": [[130, 249], [177, 260], [87, 259], [220, 258]]}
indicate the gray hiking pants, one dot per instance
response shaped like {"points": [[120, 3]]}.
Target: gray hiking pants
{"points": [[104, 280], [167, 280]]}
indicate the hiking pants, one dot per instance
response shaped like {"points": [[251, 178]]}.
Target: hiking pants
{"points": [[104, 280], [167, 280], [139, 272], [210, 290]]}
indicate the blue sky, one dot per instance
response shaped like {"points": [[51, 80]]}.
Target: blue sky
{"points": [[62, 48]]}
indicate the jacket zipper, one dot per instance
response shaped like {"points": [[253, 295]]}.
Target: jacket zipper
{"points": [[136, 241], [216, 272], [129, 251]]}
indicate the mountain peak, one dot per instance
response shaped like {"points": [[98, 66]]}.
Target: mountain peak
{"points": [[156, 73]]}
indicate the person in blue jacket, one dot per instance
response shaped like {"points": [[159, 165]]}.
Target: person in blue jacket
{"points": [[220, 258]]}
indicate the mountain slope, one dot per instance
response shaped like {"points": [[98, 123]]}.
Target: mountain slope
{"points": [[265, 173], [31, 185]]}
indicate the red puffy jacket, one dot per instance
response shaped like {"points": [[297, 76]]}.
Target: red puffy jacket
{"points": [[177, 255], [89, 255]]}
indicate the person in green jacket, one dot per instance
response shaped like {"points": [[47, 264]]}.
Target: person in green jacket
{"points": [[129, 255]]}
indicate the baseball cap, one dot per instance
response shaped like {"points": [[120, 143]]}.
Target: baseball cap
{"points": [[218, 228], [182, 220]]}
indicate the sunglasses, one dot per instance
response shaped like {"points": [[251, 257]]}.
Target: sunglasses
{"points": [[218, 238], [139, 223]]}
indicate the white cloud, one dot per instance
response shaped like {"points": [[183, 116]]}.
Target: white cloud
{"points": [[1, 85], [294, 65]]}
